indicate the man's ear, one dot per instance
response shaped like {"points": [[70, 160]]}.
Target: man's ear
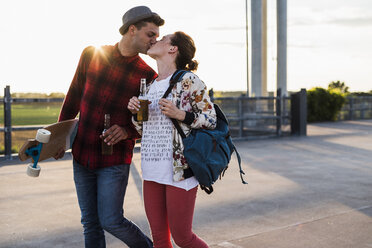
{"points": [[132, 29]]}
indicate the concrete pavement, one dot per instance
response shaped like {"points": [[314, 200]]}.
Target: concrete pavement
{"points": [[304, 192]]}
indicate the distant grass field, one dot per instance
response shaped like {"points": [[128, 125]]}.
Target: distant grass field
{"points": [[33, 113], [29, 114]]}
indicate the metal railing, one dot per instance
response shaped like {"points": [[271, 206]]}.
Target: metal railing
{"points": [[356, 107], [249, 117], [256, 117], [8, 128]]}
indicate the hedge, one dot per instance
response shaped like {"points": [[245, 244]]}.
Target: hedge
{"points": [[323, 105]]}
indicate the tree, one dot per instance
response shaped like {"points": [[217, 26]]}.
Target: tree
{"points": [[338, 86], [56, 95]]}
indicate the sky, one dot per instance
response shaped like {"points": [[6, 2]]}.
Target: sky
{"points": [[328, 40]]}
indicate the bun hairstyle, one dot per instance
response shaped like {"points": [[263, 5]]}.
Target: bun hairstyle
{"points": [[186, 51]]}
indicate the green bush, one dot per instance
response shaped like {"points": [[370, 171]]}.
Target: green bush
{"points": [[323, 105]]}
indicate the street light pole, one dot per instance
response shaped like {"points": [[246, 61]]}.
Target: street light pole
{"points": [[281, 6], [246, 43]]}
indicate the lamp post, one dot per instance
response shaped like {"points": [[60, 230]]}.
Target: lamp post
{"points": [[246, 43], [281, 6]]}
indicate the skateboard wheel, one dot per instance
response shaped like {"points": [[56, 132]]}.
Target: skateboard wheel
{"points": [[43, 135], [33, 172]]}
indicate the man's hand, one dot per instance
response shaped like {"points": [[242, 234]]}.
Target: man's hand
{"points": [[60, 153], [114, 135]]}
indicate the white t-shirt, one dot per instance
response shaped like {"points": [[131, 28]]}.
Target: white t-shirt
{"points": [[157, 142]]}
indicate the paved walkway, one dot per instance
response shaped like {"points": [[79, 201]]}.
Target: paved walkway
{"points": [[304, 192]]}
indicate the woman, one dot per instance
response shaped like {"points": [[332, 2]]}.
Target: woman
{"points": [[169, 195]]}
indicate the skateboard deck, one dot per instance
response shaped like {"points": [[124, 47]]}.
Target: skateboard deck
{"points": [[62, 134]]}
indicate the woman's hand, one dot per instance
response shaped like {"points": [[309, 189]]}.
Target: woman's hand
{"points": [[134, 105], [170, 110]]}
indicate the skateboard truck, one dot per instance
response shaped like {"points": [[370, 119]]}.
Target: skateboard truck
{"points": [[42, 136], [34, 152]]}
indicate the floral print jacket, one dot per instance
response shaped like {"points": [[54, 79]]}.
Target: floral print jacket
{"points": [[189, 94]]}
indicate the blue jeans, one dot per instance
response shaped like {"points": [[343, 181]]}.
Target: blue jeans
{"points": [[101, 196]]}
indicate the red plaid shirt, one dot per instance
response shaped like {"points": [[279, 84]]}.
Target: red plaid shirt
{"points": [[103, 84]]}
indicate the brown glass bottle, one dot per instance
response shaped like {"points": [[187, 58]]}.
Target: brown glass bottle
{"points": [[106, 149], [143, 113]]}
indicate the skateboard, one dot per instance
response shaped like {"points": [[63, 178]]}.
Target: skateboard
{"points": [[48, 141]]}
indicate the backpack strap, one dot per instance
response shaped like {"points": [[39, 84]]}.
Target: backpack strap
{"points": [[240, 167], [176, 77], [207, 190]]}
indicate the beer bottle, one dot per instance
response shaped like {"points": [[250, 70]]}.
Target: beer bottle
{"points": [[143, 113], [106, 149]]}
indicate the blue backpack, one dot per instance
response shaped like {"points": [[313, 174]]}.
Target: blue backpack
{"points": [[207, 152]]}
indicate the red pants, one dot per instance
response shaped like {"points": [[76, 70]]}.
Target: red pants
{"points": [[170, 210]]}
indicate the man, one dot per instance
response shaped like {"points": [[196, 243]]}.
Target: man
{"points": [[104, 82]]}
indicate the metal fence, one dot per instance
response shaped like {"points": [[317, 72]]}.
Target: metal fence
{"points": [[249, 117], [256, 117], [356, 107], [8, 128]]}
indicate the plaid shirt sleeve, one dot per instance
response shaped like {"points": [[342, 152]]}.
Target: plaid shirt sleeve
{"points": [[71, 104]]}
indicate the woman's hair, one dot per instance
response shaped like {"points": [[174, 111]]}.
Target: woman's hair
{"points": [[186, 51]]}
